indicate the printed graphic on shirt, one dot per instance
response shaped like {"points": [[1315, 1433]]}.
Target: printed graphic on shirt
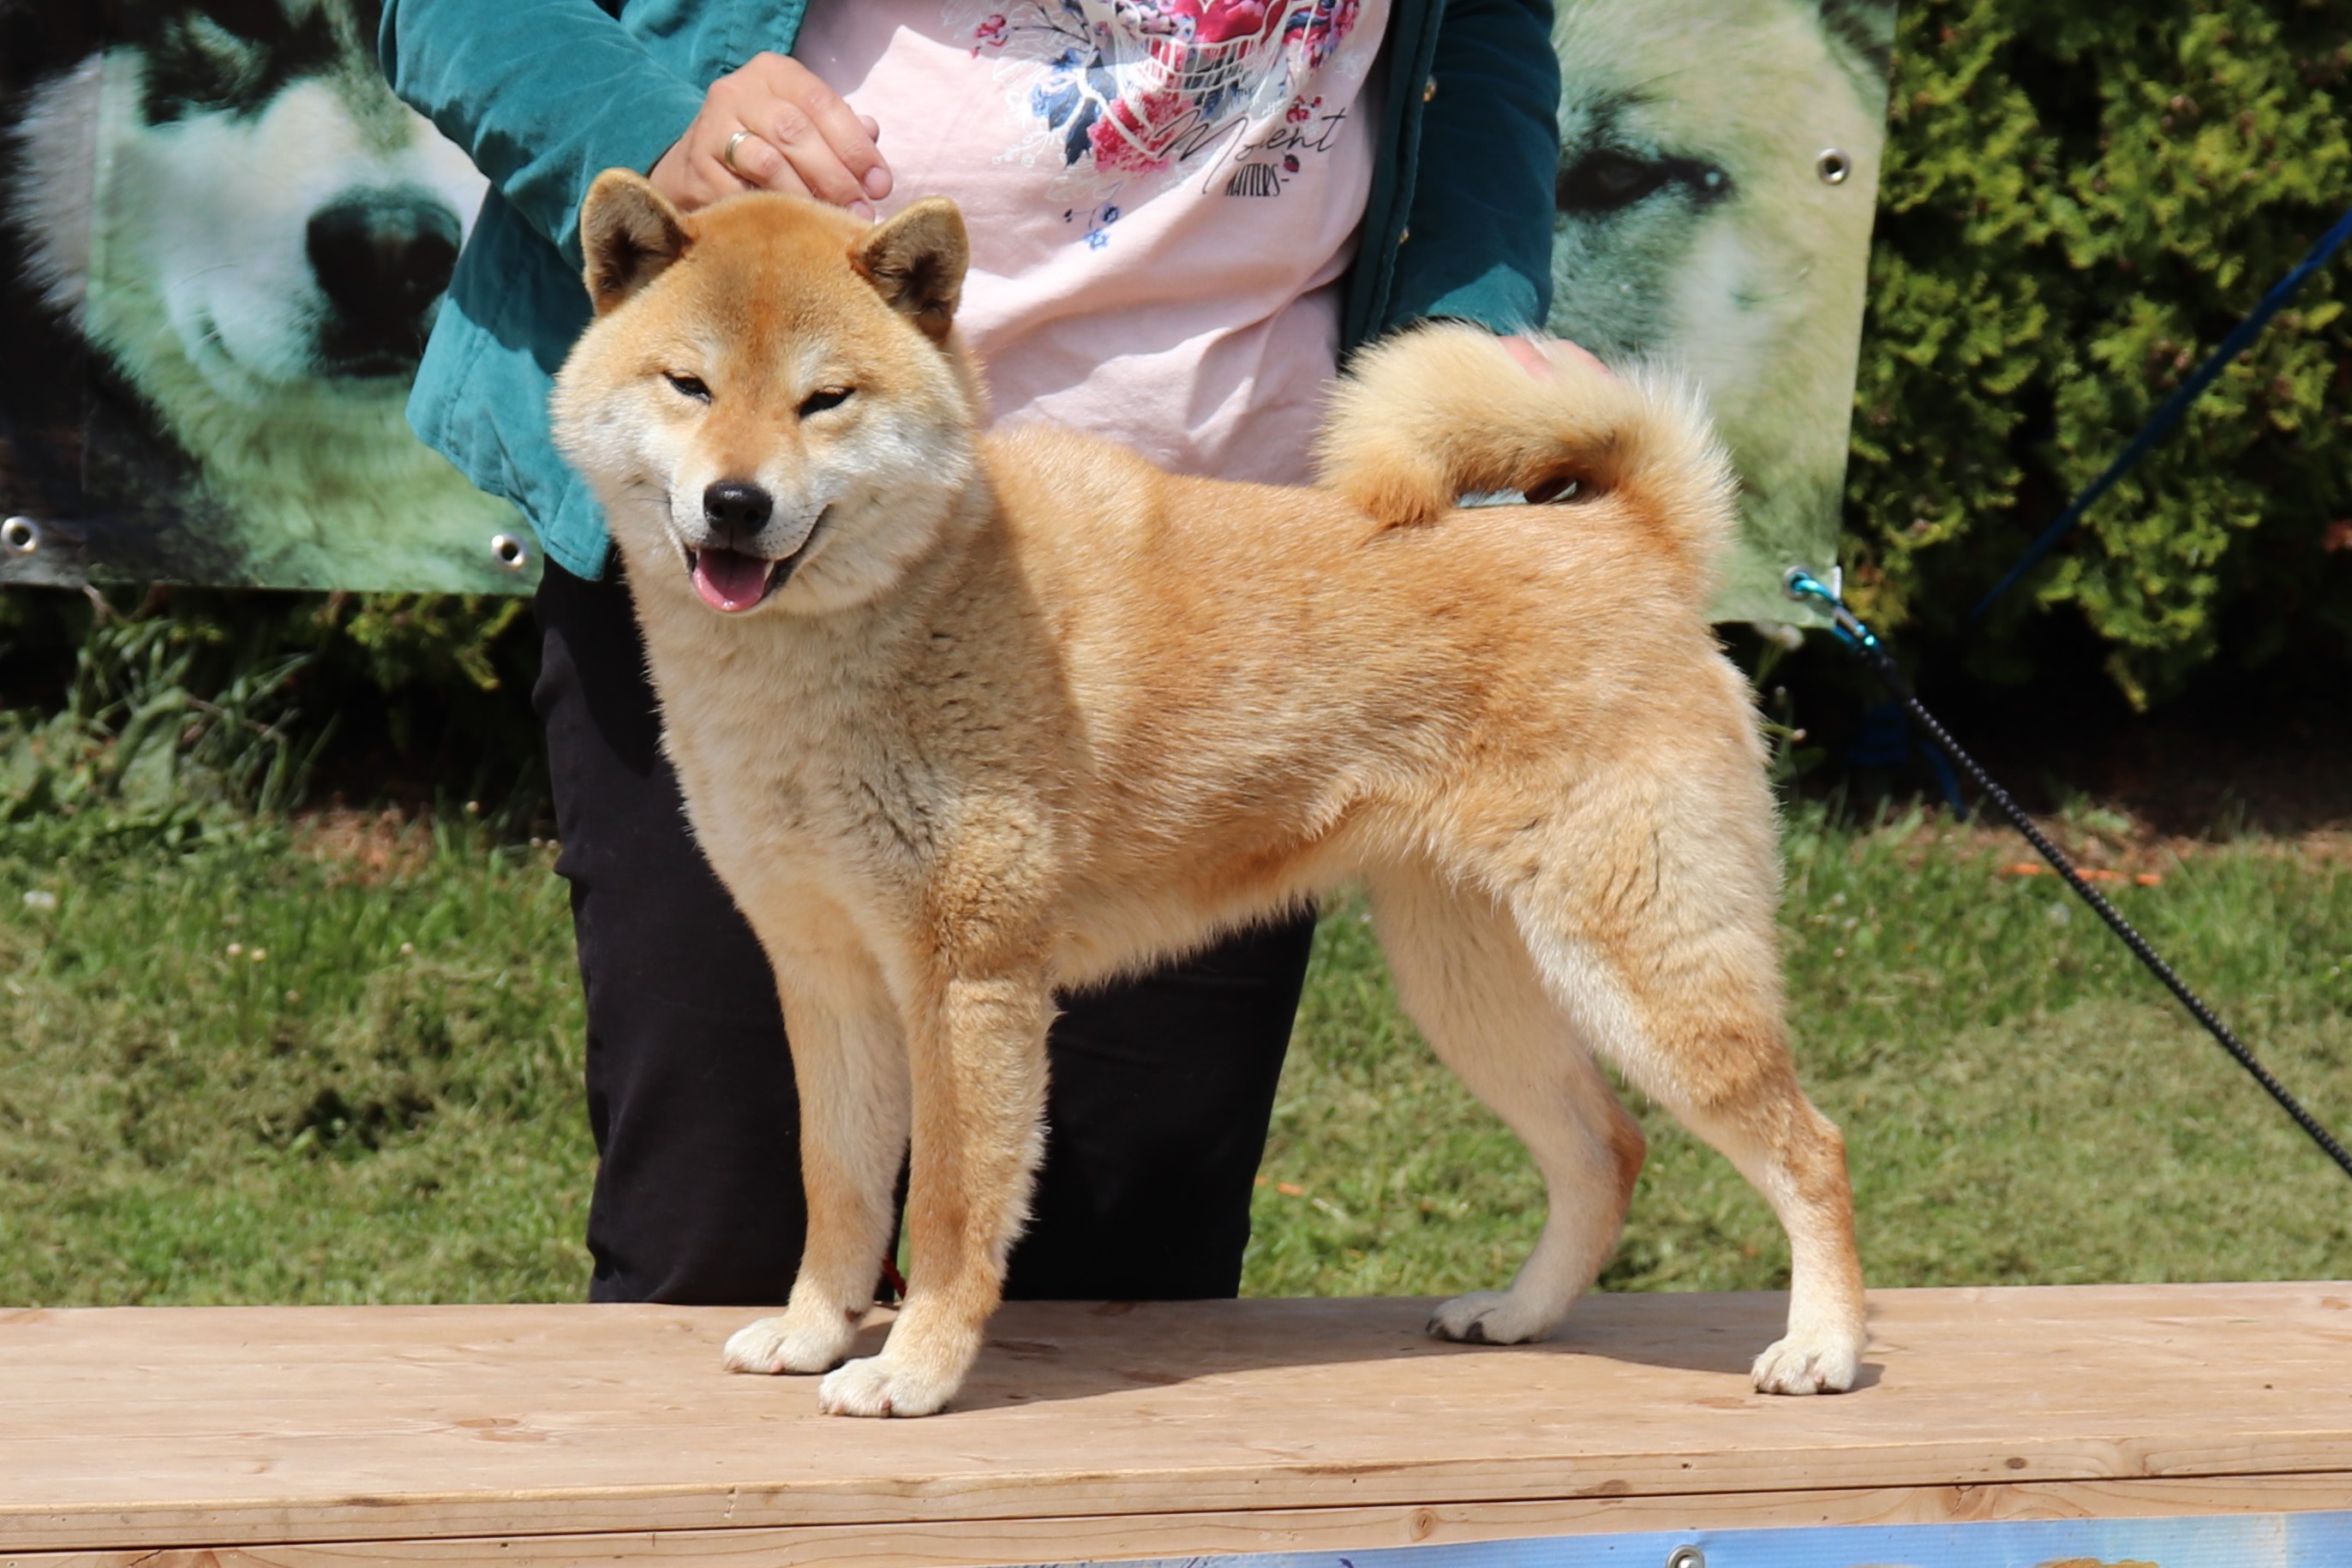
{"points": [[1125, 96]]}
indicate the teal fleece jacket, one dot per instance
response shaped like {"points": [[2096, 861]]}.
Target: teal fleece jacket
{"points": [[546, 94]]}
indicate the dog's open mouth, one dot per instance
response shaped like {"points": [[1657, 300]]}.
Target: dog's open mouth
{"points": [[731, 582]]}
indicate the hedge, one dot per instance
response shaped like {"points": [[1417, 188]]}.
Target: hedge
{"points": [[2078, 202]]}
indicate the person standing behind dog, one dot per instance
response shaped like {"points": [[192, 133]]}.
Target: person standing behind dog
{"points": [[1182, 212]]}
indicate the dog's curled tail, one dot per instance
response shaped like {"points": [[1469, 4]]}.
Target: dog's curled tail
{"points": [[1445, 411]]}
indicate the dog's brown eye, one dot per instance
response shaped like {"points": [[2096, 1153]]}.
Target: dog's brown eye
{"points": [[831, 397], [689, 386]]}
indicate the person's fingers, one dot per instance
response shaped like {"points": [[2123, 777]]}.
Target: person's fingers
{"points": [[796, 134], [873, 132], [1531, 357], [786, 179], [773, 125], [1578, 352], [689, 175], [754, 163], [826, 142], [1540, 358]]}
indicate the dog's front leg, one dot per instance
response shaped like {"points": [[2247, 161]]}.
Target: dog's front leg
{"points": [[977, 1050], [849, 1064]]}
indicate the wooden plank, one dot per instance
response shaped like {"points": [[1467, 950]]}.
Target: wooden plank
{"points": [[155, 1427], [1004, 1543]]}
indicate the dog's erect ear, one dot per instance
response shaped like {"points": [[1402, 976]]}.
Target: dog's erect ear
{"points": [[917, 261], [629, 234]]}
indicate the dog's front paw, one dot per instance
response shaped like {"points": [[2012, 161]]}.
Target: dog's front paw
{"points": [[789, 1344], [1487, 1317], [1797, 1366], [879, 1386]]}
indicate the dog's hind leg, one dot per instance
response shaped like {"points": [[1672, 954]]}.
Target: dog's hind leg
{"points": [[849, 1063], [1676, 977], [1465, 979]]}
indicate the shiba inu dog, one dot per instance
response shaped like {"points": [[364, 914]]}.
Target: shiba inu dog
{"points": [[1719, 167], [222, 202], [965, 719]]}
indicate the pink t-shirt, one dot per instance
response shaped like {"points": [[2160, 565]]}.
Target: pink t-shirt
{"points": [[1161, 194]]}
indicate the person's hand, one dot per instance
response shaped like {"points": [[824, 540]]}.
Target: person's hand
{"points": [[788, 132], [1536, 361]]}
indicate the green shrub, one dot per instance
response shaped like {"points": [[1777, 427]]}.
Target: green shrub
{"points": [[159, 712], [2078, 203]]}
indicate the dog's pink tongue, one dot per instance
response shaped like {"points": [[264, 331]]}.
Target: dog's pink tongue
{"points": [[730, 580]]}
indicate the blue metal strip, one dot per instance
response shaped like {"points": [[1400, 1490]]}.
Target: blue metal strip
{"points": [[2223, 1540]]}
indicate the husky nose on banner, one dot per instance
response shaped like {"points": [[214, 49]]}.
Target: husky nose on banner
{"points": [[383, 259]]}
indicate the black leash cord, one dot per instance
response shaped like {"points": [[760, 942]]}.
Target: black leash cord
{"points": [[1859, 638]]}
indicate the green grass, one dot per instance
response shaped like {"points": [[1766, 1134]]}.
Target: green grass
{"points": [[2023, 1103], [239, 1072], [385, 1105]]}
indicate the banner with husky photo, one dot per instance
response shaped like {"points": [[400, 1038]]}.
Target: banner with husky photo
{"points": [[222, 241], [1718, 172]]}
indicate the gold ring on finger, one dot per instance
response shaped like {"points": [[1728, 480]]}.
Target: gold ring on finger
{"points": [[726, 153]]}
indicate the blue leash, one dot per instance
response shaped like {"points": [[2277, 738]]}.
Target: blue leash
{"points": [[2161, 422], [1849, 630]]}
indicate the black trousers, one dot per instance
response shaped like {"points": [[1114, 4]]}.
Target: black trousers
{"points": [[1159, 1093]]}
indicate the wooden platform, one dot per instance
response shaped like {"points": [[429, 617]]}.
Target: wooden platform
{"points": [[542, 1433]]}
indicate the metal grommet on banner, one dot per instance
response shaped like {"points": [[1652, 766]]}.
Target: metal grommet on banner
{"points": [[510, 551], [22, 535], [1834, 165], [1686, 1557]]}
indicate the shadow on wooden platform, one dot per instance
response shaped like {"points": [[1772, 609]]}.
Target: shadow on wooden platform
{"points": [[1109, 1347], [502, 1433]]}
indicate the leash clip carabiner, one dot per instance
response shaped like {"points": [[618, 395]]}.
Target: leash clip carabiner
{"points": [[1845, 625]]}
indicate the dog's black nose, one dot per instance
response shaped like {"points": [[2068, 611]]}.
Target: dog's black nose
{"points": [[381, 258], [738, 509]]}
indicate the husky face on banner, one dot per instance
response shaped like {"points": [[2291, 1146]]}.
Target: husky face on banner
{"points": [[222, 211], [1719, 170], [222, 241]]}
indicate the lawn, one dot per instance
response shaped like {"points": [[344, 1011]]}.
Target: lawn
{"points": [[339, 1061]]}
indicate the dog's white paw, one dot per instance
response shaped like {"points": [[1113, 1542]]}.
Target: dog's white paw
{"points": [[782, 1344], [879, 1386], [1798, 1365], [1487, 1317]]}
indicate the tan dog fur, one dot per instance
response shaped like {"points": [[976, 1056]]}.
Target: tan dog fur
{"points": [[1028, 714]]}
